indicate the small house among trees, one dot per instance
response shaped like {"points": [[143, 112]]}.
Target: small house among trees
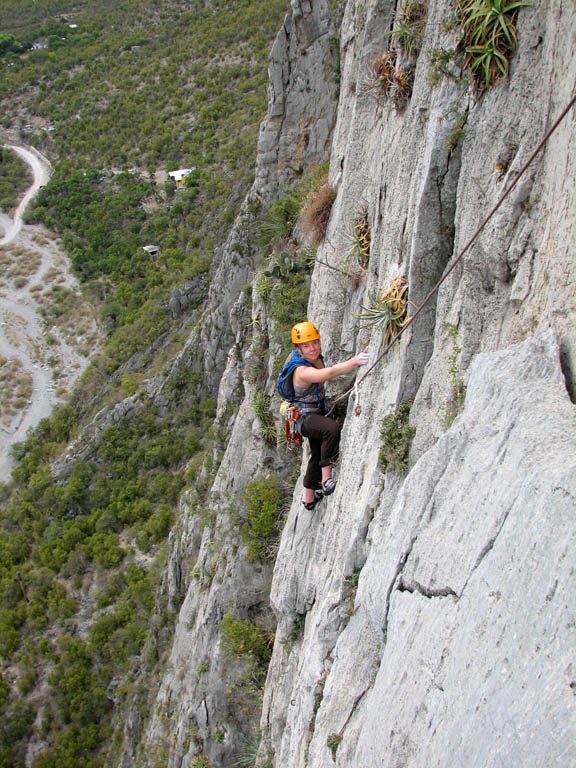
{"points": [[152, 250], [180, 175]]}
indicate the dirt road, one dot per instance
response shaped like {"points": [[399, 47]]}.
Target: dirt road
{"points": [[40, 168], [35, 358]]}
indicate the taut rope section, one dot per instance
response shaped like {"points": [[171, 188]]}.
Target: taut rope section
{"points": [[459, 257]]}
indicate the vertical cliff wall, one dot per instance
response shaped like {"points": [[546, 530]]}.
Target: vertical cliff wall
{"points": [[422, 617], [437, 607]]}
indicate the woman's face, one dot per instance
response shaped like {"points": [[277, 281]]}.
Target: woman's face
{"points": [[310, 350]]}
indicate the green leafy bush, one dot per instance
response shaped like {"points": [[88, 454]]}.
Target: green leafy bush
{"points": [[76, 686], [396, 435], [241, 639], [280, 217], [262, 500], [17, 720], [156, 528], [118, 635]]}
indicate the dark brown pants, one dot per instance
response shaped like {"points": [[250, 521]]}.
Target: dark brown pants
{"points": [[324, 437]]}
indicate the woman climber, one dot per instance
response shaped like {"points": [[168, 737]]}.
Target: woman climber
{"points": [[308, 378]]}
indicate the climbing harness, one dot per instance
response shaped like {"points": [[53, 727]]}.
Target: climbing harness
{"points": [[456, 261], [292, 409], [293, 436]]}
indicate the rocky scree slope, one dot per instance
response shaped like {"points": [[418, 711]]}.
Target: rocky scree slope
{"points": [[424, 618]]}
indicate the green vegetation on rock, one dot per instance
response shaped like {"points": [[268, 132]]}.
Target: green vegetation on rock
{"points": [[396, 435], [263, 501]]}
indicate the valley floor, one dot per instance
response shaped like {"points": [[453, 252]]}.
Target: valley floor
{"points": [[46, 328]]}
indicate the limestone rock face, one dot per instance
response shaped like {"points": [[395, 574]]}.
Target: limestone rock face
{"points": [[185, 296], [302, 96], [426, 620], [455, 649]]}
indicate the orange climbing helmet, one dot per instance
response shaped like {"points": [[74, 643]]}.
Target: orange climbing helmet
{"points": [[303, 332]]}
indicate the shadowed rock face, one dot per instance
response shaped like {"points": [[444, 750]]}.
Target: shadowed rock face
{"points": [[434, 609]]}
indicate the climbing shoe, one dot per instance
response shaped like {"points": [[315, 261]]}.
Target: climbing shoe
{"points": [[329, 486], [318, 496]]}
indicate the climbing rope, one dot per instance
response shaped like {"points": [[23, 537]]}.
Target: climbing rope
{"points": [[456, 261]]}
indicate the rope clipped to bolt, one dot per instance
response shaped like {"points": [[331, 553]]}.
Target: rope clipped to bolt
{"points": [[434, 290]]}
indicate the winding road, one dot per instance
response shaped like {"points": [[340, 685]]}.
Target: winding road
{"points": [[22, 328], [40, 168]]}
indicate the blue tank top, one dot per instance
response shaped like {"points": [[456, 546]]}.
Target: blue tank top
{"points": [[310, 399]]}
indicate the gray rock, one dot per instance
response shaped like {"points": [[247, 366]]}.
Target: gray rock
{"points": [[457, 647]]}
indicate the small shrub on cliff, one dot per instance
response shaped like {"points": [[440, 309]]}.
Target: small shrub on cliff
{"points": [[263, 287], [455, 401], [247, 753], [316, 214], [396, 435], [409, 26], [241, 639], [263, 501], [200, 761], [333, 742], [384, 78], [440, 60], [388, 310], [261, 407], [358, 241], [277, 224]]}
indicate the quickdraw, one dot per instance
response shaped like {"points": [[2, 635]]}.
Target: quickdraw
{"points": [[293, 436], [358, 409]]}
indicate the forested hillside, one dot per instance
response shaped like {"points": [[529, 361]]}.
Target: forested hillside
{"points": [[120, 97], [117, 95]]}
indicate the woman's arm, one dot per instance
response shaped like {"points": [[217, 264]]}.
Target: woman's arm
{"points": [[305, 374]]}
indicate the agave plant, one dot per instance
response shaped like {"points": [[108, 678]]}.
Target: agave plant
{"points": [[388, 310], [381, 71], [409, 26], [247, 754], [489, 36], [384, 77], [358, 241]]}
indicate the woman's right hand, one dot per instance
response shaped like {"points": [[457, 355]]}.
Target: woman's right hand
{"points": [[362, 358]]}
